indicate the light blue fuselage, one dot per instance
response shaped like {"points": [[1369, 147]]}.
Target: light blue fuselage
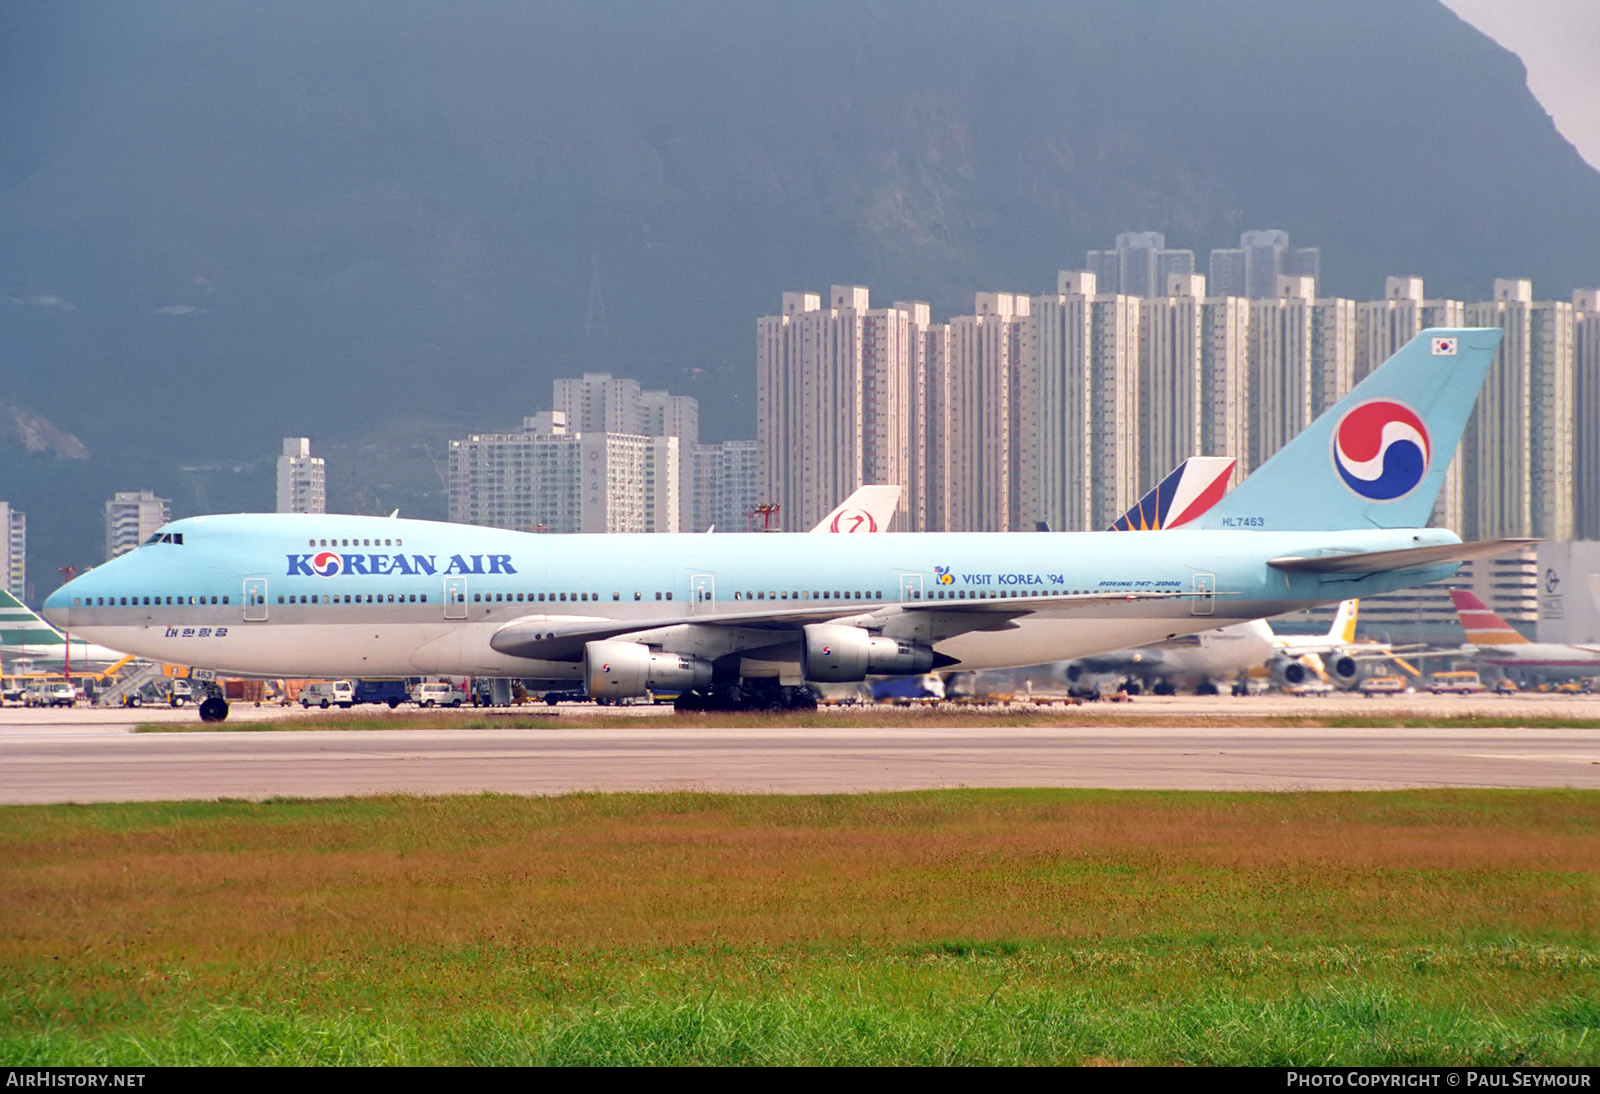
{"points": [[246, 594]]}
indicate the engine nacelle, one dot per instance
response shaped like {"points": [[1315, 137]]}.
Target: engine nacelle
{"points": [[836, 654], [1343, 668], [621, 670], [1288, 670]]}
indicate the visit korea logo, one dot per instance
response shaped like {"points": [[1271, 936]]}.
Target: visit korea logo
{"points": [[1381, 450]]}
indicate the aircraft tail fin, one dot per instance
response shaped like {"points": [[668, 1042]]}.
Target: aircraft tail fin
{"points": [[1483, 626], [1377, 458], [1343, 631], [1194, 486], [867, 509], [19, 626]]}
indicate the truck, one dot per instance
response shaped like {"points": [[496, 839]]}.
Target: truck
{"points": [[392, 691], [326, 693], [1455, 682]]}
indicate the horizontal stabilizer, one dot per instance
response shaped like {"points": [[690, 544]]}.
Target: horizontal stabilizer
{"points": [[1407, 558]]}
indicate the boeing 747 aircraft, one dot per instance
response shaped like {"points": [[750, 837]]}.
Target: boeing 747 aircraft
{"points": [[749, 619]]}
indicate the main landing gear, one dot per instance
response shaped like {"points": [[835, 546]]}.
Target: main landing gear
{"points": [[748, 695], [214, 709]]}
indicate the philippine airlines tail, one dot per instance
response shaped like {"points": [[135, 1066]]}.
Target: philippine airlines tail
{"points": [[1377, 458], [1192, 488], [1483, 626]]}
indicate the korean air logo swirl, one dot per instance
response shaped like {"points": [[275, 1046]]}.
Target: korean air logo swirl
{"points": [[1381, 450], [326, 564]]}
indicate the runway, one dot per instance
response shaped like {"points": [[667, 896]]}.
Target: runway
{"points": [[87, 756]]}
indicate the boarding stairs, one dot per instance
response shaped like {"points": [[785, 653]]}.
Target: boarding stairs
{"points": [[129, 683]]}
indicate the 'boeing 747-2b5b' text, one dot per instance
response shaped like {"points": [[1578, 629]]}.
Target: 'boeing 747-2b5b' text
{"points": [[750, 619]]}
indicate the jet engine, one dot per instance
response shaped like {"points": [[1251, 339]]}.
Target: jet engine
{"points": [[1288, 670], [620, 670], [836, 654], [1345, 670]]}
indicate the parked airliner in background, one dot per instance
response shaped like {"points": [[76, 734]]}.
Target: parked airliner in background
{"points": [[1494, 643], [29, 644], [749, 619], [1210, 660]]}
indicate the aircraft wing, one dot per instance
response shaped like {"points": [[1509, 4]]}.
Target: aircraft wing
{"points": [[562, 638], [1407, 558]]}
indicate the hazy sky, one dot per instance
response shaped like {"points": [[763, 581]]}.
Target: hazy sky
{"points": [[1559, 42]]}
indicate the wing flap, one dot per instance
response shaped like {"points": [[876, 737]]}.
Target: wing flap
{"points": [[562, 638]]}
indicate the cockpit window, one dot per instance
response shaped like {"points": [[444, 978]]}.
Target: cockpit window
{"points": [[165, 537]]}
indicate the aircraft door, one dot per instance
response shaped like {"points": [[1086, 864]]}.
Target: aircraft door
{"points": [[702, 593], [910, 586], [1204, 601], [455, 598], [255, 599]]}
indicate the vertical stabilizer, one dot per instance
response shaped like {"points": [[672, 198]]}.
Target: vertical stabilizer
{"points": [[1194, 486], [20, 627], [1377, 457], [1343, 631], [1483, 626], [867, 509]]}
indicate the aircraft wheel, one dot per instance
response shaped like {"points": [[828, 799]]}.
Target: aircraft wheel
{"points": [[214, 710], [1132, 688], [1206, 688]]}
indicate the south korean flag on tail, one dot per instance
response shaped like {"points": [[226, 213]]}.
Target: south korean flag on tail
{"points": [[1444, 347]]}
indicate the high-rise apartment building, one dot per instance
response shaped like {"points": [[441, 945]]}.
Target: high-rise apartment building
{"points": [[1281, 378], [1053, 448], [627, 468], [13, 551], [302, 478], [1226, 274], [547, 478], [1172, 393], [1586, 414], [726, 486], [133, 516], [836, 400], [1253, 268], [981, 371], [1139, 266], [1225, 424], [1518, 448], [1077, 456]]}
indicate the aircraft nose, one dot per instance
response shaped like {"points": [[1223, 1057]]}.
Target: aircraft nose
{"points": [[56, 607]]}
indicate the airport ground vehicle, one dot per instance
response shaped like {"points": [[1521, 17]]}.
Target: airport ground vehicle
{"points": [[435, 695], [326, 693], [51, 695], [1455, 682], [392, 692], [1382, 685]]}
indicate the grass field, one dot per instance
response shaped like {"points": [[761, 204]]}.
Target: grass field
{"points": [[1051, 926]]}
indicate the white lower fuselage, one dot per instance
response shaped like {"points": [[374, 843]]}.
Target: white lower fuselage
{"points": [[336, 596]]}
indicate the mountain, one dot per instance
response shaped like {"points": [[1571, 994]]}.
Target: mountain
{"points": [[223, 224]]}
